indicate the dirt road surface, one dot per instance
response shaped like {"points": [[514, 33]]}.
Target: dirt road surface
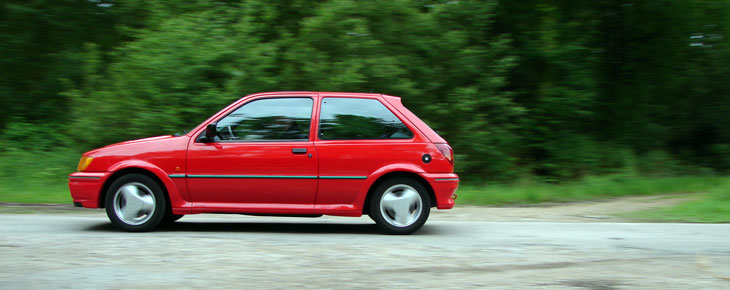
{"points": [[574, 247]]}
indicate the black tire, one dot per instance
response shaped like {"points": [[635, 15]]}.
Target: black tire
{"points": [[417, 212], [147, 208], [171, 218]]}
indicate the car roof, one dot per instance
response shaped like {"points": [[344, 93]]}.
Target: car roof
{"points": [[321, 93]]}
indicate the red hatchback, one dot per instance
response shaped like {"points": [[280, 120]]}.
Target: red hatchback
{"points": [[281, 153]]}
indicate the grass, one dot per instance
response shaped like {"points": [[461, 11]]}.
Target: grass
{"points": [[709, 209], [36, 177], [45, 192], [713, 207], [25, 180], [586, 189]]}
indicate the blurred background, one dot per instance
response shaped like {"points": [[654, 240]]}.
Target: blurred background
{"points": [[541, 100]]}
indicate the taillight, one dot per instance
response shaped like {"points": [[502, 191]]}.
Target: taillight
{"points": [[446, 151]]}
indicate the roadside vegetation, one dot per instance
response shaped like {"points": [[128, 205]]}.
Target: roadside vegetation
{"points": [[530, 192], [712, 203], [711, 208], [36, 177], [542, 101]]}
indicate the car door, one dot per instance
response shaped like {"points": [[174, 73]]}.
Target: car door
{"points": [[262, 157], [356, 137]]}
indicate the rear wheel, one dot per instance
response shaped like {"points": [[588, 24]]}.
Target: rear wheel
{"points": [[135, 203], [400, 206]]}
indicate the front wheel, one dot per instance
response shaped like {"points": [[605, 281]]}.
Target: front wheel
{"points": [[135, 203], [400, 206], [170, 218]]}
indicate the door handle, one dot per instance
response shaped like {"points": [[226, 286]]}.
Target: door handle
{"points": [[299, 150]]}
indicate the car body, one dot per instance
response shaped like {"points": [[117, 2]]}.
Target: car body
{"points": [[249, 159]]}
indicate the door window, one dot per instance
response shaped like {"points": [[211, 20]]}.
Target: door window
{"points": [[351, 118], [267, 120]]}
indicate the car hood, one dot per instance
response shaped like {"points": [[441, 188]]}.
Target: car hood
{"points": [[132, 147], [163, 137]]}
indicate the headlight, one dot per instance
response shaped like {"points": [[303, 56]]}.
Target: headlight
{"points": [[84, 162]]}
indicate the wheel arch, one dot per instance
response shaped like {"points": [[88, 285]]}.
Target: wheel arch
{"points": [[131, 170], [394, 174]]}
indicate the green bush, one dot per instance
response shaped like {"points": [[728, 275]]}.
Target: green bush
{"points": [[556, 90]]}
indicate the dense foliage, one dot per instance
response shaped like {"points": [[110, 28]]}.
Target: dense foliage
{"points": [[555, 89]]}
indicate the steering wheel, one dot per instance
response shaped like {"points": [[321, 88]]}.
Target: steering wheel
{"points": [[228, 129]]}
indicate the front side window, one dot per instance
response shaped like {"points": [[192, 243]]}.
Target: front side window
{"points": [[350, 118], [267, 120]]}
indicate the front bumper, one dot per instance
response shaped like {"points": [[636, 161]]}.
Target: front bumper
{"points": [[85, 187], [444, 185]]}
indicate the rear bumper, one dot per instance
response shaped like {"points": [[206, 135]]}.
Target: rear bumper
{"points": [[86, 186], [444, 185]]}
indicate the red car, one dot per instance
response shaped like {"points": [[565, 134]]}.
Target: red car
{"points": [[280, 153]]}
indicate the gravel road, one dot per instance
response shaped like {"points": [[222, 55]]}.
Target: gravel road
{"points": [[456, 249]]}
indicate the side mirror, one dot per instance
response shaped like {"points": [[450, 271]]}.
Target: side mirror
{"points": [[210, 132]]}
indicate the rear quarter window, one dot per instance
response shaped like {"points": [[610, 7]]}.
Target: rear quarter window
{"points": [[357, 119]]}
